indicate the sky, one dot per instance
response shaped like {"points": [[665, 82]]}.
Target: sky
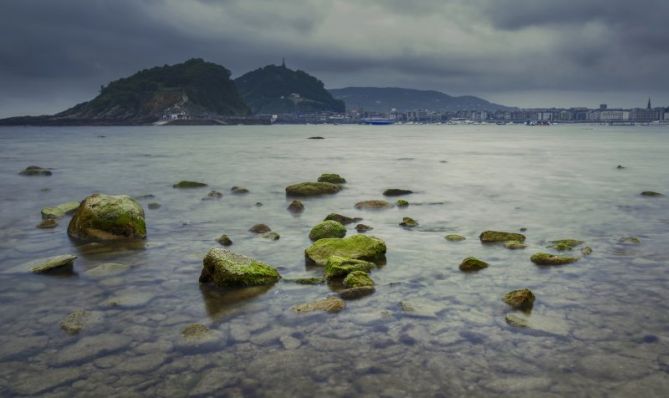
{"points": [[526, 53]]}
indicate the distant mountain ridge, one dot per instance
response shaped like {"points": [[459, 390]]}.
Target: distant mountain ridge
{"points": [[383, 99]]}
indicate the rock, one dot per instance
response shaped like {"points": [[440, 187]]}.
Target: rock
{"points": [[185, 184], [48, 379], [48, 223], [339, 267], [629, 240], [77, 320], [331, 304], [195, 332], [107, 269], [564, 244], [89, 347], [60, 210], [497, 236], [523, 229], [420, 309], [316, 138], [332, 178], [521, 299], [239, 190], [359, 247], [586, 251], [35, 171], [108, 217], [224, 240], [454, 237], [260, 229], [551, 259], [514, 245], [212, 195], [470, 264], [271, 235], [129, 298], [327, 229], [516, 321], [312, 189], [651, 194], [51, 263], [259, 204], [341, 219], [402, 203], [356, 292], [358, 279], [307, 281], [289, 342], [408, 222], [363, 228], [153, 206], [396, 192], [620, 167], [373, 204], [296, 206], [227, 269]]}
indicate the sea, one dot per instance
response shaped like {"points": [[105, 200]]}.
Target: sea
{"points": [[599, 327]]}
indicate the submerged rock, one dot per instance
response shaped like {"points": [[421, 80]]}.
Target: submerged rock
{"points": [[312, 189], [108, 217], [212, 195], [154, 206], [516, 321], [586, 251], [51, 263], [195, 331], [271, 235], [522, 299], [359, 247], [396, 192], [227, 269], [307, 281], [239, 190], [48, 223], [358, 279], [332, 178], [408, 222], [316, 138], [454, 237], [651, 194], [260, 229], [471, 264], [565, 244], [551, 259], [107, 269], [629, 240], [498, 236], [620, 167], [341, 219], [185, 184], [90, 347], [296, 206], [77, 320], [35, 171], [327, 229], [355, 293], [514, 245], [339, 267], [224, 240], [373, 204], [363, 228], [331, 304], [402, 203]]}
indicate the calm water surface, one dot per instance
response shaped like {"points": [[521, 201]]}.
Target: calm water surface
{"points": [[599, 327]]}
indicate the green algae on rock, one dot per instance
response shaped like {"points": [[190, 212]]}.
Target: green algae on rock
{"points": [[108, 217], [331, 304], [312, 189], [551, 259], [408, 222], [341, 219], [271, 235], [454, 237], [514, 245], [327, 229], [651, 193], [373, 204], [227, 269], [47, 223], [396, 192], [522, 299], [186, 184], [565, 244], [358, 279], [471, 264], [35, 171], [339, 267], [402, 203], [332, 178], [498, 236], [358, 247]]}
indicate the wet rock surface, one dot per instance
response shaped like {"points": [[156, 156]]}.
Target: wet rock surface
{"points": [[551, 259], [225, 268], [358, 247], [35, 171], [327, 229], [108, 217], [312, 189], [500, 237], [345, 220], [331, 304], [472, 264], [373, 204]]}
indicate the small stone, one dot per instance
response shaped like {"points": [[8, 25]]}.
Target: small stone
{"points": [[307, 281], [224, 240], [498, 237], [213, 195], [332, 178], [454, 237], [239, 190], [289, 342], [523, 229], [408, 222], [260, 229], [356, 292], [312, 189], [402, 203], [35, 171], [651, 194], [77, 320], [620, 167], [565, 244], [259, 204], [341, 219], [48, 224], [153, 206], [52, 213], [195, 331], [629, 240], [358, 279], [471, 264], [551, 259], [396, 192], [586, 251], [185, 184], [522, 299], [516, 321], [514, 245], [373, 204], [296, 206], [51, 263], [316, 138], [331, 304], [362, 228], [271, 235]]}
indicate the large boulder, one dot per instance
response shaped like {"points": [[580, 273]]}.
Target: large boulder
{"points": [[108, 217], [227, 269], [327, 229], [312, 189], [358, 247], [498, 236]]}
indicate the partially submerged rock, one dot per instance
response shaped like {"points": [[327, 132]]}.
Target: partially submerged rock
{"points": [[317, 137], [514, 245], [48, 223], [565, 244], [341, 219], [358, 279], [651, 193], [227, 269], [107, 269], [471, 264], [331, 304], [154, 206], [35, 171], [359, 247], [620, 167], [396, 192], [499, 236], [108, 217], [312, 189], [307, 281], [362, 228], [224, 240], [260, 229], [296, 206], [271, 235], [185, 184], [339, 267], [408, 222], [327, 229], [551, 259], [197, 334], [212, 195], [402, 203], [239, 190], [586, 251], [521, 299], [355, 293], [51, 263], [373, 204], [629, 240], [454, 237], [60, 210], [332, 178]]}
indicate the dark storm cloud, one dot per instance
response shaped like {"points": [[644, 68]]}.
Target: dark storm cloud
{"points": [[55, 52]]}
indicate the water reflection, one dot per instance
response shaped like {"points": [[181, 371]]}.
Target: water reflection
{"points": [[220, 301]]}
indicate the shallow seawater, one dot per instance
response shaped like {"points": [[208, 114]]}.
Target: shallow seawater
{"points": [[599, 327]]}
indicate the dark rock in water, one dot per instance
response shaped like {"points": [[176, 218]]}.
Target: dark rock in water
{"points": [[327, 229], [35, 171], [260, 229], [224, 240], [312, 189], [339, 267], [358, 279], [146, 196], [239, 190], [316, 138], [373, 204], [522, 299], [356, 292], [188, 184], [154, 206], [651, 194], [497, 236], [51, 263], [341, 219], [199, 333], [108, 217], [514, 245], [359, 247], [332, 178], [402, 203], [629, 240], [363, 228], [408, 222], [454, 237], [443, 161], [271, 235], [296, 206], [396, 192], [213, 195], [48, 223], [471, 264], [307, 281], [523, 229], [227, 269], [331, 304], [259, 204], [586, 251], [565, 244], [551, 259], [620, 167]]}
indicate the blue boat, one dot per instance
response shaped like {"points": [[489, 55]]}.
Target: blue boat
{"points": [[378, 121]]}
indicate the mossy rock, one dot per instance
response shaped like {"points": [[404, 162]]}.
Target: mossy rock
{"points": [[551, 259], [227, 269], [521, 299], [454, 238], [514, 245], [471, 264], [408, 222], [224, 240], [651, 194], [260, 229], [358, 247], [565, 244], [239, 190], [358, 279], [312, 189], [271, 235], [499, 236], [296, 206], [355, 293], [339, 267], [332, 178], [185, 184], [373, 204], [327, 229], [396, 192], [629, 240], [35, 171], [362, 228], [341, 219], [402, 203], [103, 217]]}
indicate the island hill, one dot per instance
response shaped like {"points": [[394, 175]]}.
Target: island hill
{"points": [[196, 92]]}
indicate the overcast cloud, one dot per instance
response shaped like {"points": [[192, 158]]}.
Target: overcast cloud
{"points": [[55, 53]]}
